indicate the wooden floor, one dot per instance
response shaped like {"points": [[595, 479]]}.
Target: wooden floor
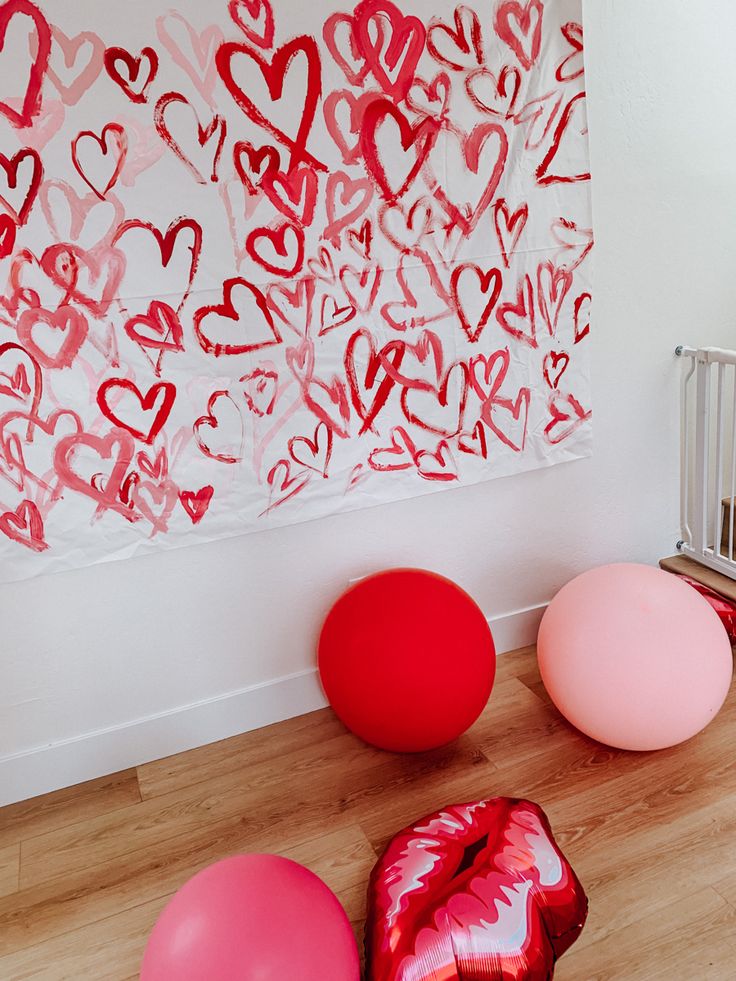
{"points": [[84, 872]]}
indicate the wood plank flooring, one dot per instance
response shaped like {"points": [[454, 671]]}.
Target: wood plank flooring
{"points": [[85, 872]]}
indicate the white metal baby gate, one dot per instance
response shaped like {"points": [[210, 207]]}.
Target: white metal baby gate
{"points": [[708, 457]]}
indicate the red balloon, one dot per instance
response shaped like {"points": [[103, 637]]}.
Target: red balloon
{"points": [[407, 660], [475, 891]]}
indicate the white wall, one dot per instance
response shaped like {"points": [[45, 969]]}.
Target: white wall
{"points": [[106, 646]]}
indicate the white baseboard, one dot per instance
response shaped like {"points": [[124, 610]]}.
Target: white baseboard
{"points": [[94, 754], [518, 629]]}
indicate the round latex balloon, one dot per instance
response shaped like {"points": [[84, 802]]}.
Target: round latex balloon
{"points": [[252, 918], [634, 657], [407, 660], [474, 891]]}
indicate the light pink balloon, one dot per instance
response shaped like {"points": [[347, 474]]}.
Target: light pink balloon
{"points": [[252, 918], [634, 657]]}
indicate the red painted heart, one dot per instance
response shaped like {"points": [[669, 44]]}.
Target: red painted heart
{"points": [[155, 405], [40, 50], [131, 77], [196, 503], [244, 306], [25, 186]]}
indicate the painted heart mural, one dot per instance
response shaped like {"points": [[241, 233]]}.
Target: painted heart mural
{"points": [[475, 892], [312, 258]]}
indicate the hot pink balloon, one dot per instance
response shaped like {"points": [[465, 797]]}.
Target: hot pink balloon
{"points": [[252, 918], [634, 657]]}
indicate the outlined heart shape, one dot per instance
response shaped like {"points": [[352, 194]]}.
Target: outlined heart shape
{"points": [[78, 80], [351, 60], [135, 82], [427, 351], [294, 194], [73, 217], [156, 404], [166, 243], [406, 229], [210, 136], [393, 50], [279, 249], [110, 147], [474, 146], [437, 464], [118, 446], [363, 376], [567, 415], [439, 410], [313, 453], [66, 322], [511, 417], [206, 426], [255, 20], [361, 286], [346, 201], [333, 315], [509, 226], [202, 70], [398, 456], [274, 73], [554, 367], [31, 104], [90, 278], [414, 144], [430, 98], [260, 390], [553, 285], [292, 303], [519, 25], [494, 94], [460, 47], [281, 481], [255, 303], [470, 284], [21, 378], [519, 318], [159, 328], [28, 188], [572, 66], [24, 526]]}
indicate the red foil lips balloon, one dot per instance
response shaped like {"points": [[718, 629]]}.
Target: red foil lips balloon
{"points": [[477, 892]]}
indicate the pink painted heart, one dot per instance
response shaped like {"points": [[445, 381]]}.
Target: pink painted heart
{"points": [[24, 526], [95, 466], [567, 415], [53, 338], [255, 19], [77, 71]]}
